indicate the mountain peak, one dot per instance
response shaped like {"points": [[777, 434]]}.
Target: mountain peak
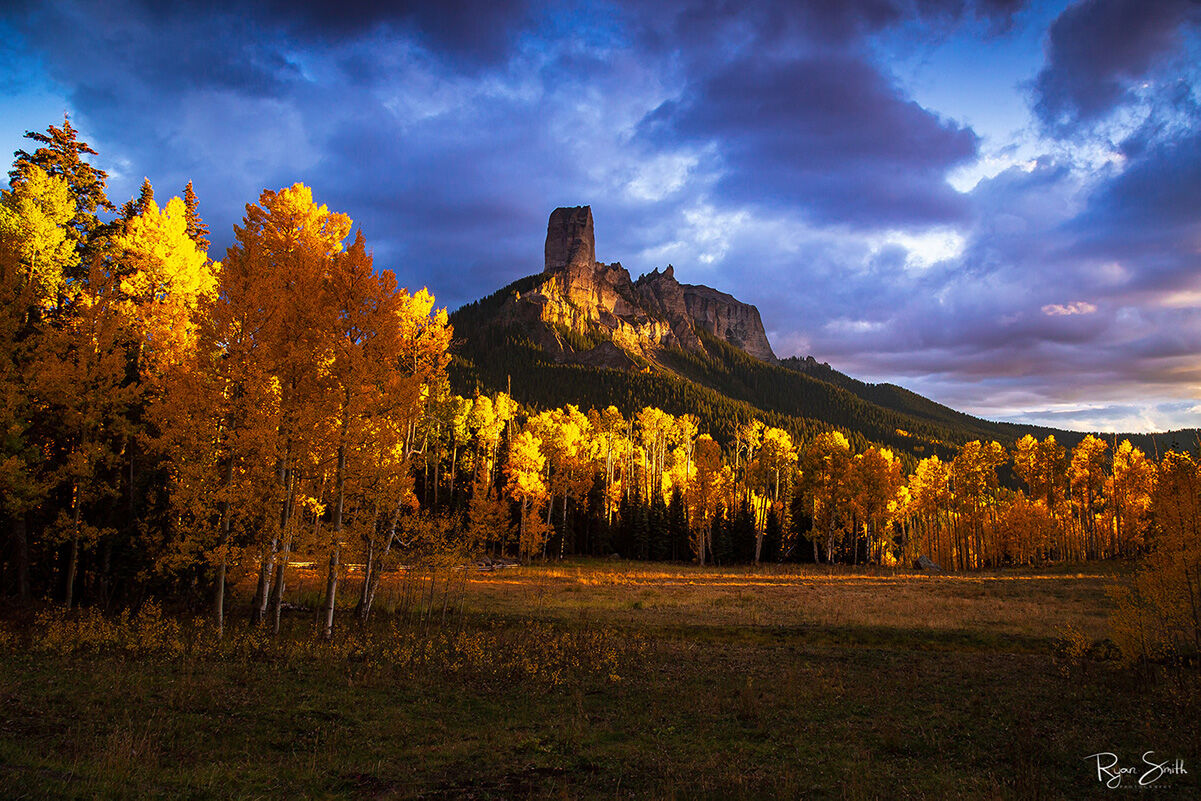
{"points": [[570, 241], [640, 317]]}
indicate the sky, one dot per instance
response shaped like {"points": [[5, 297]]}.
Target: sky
{"points": [[994, 203]]}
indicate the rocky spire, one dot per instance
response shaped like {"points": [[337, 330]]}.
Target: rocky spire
{"points": [[570, 243]]}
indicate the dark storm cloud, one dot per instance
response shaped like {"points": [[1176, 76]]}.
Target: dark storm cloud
{"points": [[1098, 51], [1150, 213], [707, 24], [445, 213], [87, 47], [241, 98], [467, 29], [256, 86], [828, 134]]}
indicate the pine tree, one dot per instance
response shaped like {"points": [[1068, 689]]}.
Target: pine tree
{"points": [[138, 206], [658, 530], [800, 529], [677, 525], [743, 534], [197, 230], [772, 534]]}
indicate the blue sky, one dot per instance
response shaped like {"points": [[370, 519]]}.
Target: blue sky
{"points": [[993, 203]]}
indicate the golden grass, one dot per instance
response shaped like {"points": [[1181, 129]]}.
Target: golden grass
{"points": [[1028, 603]]}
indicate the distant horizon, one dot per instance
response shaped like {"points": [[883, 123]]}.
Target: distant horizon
{"points": [[992, 204]]}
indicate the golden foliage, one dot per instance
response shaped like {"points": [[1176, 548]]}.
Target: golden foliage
{"points": [[1158, 617]]}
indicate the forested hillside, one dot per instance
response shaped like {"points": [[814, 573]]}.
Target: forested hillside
{"points": [[545, 366]]}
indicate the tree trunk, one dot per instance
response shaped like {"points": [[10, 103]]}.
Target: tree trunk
{"points": [[73, 558], [219, 596], [563, 536], [369, 569], [331, 592], [277, 591], [281, 566], [375, 576], [437, 466], [20, 536], [258, 609], [521, 543], [219, 589], [331, 585]]}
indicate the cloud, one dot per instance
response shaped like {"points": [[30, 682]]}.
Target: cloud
{"points": [[1149, 214], [1101, 52], [829, 135], [1066, 309], [469, 30]]}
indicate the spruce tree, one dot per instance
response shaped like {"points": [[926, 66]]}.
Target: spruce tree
{"points": [[744, 533], [677, 526], [772, 535], [723, 553], [658, 532], [800, 525], [596, 533], [622, 534], [195, 226], [136, 207], [639, 528]]}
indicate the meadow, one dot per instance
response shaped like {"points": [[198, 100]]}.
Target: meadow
{"points": [[604, 679]]}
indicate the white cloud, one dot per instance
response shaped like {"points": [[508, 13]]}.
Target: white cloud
{"points": [[925, 248], [660, 176], [1183, 299], [1065, 309]]}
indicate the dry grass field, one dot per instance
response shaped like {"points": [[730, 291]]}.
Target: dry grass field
{"points": [[1026, 604], [608, 679]]}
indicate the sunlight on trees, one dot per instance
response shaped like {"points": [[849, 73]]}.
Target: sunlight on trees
{"points": [[173, 424]]}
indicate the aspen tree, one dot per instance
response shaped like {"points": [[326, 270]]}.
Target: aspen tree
{"points": [[523, 472], [36, 255], [827, 473]]}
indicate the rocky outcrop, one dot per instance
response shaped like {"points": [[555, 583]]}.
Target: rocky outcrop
{"points": [[570, 241], [662, 294], [590, 297], [728, 319], [687, 306], [584, 294]]}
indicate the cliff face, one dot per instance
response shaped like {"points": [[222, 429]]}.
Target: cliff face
{"points": [[728, 319], [570, 241], [663, 295], [589, 297]]}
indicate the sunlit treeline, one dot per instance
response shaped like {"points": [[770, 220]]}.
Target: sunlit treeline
{"points": [[583, 478], [173, 425], [168, 418]]}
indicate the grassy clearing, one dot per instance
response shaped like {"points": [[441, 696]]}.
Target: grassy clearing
{"points": [[605, 679]]}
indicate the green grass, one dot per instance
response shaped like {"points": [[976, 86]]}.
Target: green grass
{"points": [[730, 683]]}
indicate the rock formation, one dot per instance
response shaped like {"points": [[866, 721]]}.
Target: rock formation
{"points": [[592, 298], [662, 293], [728, 319], [687, 306], [570, 241]]}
